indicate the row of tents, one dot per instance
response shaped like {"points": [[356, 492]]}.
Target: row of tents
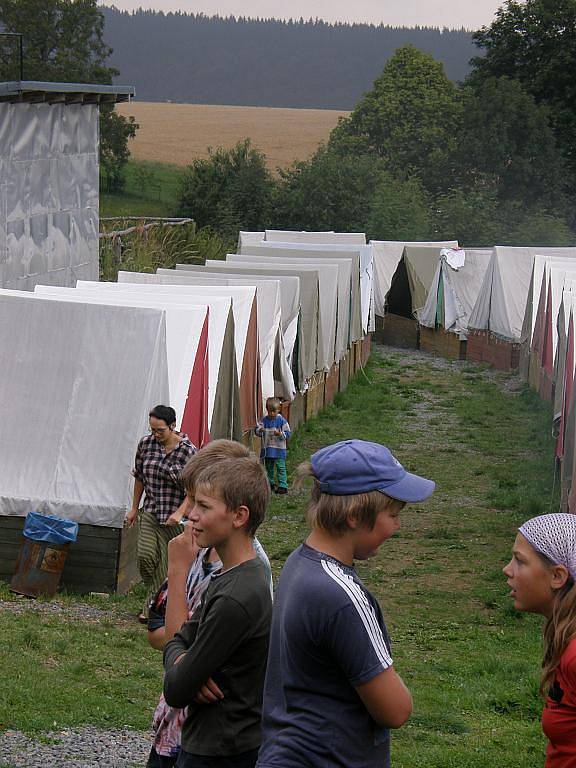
{"points": [[290, 314], [468, 303], [83, 366]]}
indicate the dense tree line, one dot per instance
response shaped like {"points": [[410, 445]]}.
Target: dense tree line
{"points": [[490, 160], [264, 62]]}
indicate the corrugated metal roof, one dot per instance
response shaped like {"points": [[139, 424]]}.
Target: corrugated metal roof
{"points": [[33, 91]]}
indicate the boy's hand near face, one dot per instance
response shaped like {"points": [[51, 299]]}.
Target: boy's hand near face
{"points": [[182, 550]]}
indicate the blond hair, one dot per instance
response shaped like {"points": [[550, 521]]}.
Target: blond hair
{"points": [[273, 402], [214, 452], [239, 482], [332, 513]]}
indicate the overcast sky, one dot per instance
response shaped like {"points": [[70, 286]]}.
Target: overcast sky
{"points": [[440, 13]]}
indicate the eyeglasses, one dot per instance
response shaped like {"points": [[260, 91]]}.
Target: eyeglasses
{"points": [[158, 431]]}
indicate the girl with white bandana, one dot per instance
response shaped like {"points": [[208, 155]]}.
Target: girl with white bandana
{"points": [[542, 576]]}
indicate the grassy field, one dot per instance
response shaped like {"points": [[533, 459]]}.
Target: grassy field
{"points": [[151, 190], [470, 660], [179, 133]]}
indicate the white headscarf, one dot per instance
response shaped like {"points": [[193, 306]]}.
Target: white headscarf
{"points": [[554, 536]]}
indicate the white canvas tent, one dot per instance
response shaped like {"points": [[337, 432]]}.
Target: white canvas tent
{"points": [[270, 337], [345, 290], [76, 372], [244, 307], [327, 301], [454, 291], [501, 303], [362, 256], [308, 279], [317, 238], [289, 297], [387, 255], [186, 354], [223, 384]]}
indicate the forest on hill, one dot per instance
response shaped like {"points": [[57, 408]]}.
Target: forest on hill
{"points": [[264, 62]]}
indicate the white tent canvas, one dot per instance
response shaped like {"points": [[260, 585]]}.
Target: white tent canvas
{"points": [[315, 238], [453, 292], [327, 301], [74, 371], [223, 383], [346, 269], [184, 327], [387, 255], [270, 338], [362, 292], [289, 295], [308, 279], [501, 303]]}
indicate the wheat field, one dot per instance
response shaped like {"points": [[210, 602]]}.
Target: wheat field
{"points": [[179, 133]]}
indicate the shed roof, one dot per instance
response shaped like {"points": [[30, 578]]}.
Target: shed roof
{"points": [[34, 91]]}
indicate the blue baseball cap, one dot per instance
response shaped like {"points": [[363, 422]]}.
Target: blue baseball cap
{"points": [[357, 466]]}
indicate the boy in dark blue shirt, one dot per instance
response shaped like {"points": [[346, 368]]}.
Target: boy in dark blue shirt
{"points": [[274, 432], [331, 692]]}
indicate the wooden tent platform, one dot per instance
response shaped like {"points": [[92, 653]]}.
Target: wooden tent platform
{"points": [[101, 559]]}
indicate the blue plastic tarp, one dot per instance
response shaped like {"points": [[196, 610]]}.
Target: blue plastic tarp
{"points": [[41, 527]]}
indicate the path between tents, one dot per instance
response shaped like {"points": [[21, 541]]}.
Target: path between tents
{"points": [[485, 440]]}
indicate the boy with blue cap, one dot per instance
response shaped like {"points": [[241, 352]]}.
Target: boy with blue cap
{"points": [[331, 692]]}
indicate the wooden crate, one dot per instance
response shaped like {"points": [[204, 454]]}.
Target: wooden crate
{"points": [[101, 559], [331, 384], [344, 373], [534, 370], [315, 395], [439, 342], [546, 388], [484, 347], [398, 331], [366, 348], [295, 413]]}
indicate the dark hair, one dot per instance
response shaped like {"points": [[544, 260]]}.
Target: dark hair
{"points": [[215, 451], [163, 413], [239, 483]]}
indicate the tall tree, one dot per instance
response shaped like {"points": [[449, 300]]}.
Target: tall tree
{"points": [[534, 42], [505, 141], [63, 42], [408, 118]]}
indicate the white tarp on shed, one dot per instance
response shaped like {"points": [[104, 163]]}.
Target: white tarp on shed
{"points": [[49, 176]]}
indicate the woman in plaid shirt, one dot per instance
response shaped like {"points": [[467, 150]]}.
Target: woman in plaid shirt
{"points": [[160, 458]]}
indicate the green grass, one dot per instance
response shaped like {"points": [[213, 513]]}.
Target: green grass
{"points": [[470, 660], [151, 190]]}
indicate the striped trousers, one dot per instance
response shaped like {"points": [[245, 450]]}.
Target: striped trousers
{"points": [[153, 541]]}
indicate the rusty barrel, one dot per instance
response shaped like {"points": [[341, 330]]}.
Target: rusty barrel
{"points": [[38, 568], [42, 554]]}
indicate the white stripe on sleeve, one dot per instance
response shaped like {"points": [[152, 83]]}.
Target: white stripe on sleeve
{"points": [[365, 610]]}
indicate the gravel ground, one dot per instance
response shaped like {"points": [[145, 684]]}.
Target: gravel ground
{"points": [[87, 747], [79, 611]]}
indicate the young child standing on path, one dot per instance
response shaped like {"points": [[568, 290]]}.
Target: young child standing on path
{"points": [[274, 432], [215, 664], [331, 692], [542, 577]]}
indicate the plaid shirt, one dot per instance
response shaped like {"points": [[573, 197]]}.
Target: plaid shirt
{"points": [[160, 474]]}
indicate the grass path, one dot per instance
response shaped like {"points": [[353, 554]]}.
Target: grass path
{"points": [[469, 659]]}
